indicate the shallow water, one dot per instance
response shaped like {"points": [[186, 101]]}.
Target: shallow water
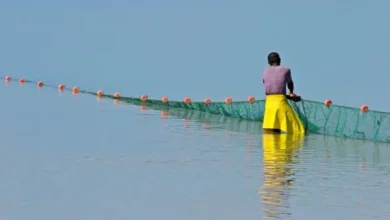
{"points": [[73, 157]]}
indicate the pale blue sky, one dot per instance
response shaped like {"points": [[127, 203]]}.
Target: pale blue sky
{"points": [[336, 49]]}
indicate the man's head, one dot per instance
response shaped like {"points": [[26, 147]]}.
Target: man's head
{"points": [[274, 59]]}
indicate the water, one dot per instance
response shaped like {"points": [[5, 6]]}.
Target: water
{"points": [[74, 157]]}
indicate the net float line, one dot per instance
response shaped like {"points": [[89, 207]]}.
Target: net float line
{"points": [[318, 117], [144, 98], [116, 95]]}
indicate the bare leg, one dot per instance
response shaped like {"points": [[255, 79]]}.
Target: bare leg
{"points": [[278, 131]]}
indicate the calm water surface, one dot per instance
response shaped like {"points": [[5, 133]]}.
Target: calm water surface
{"points": [[73, 157]]}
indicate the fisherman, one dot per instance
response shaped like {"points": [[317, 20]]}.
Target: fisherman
{"points": [[279, 116]]}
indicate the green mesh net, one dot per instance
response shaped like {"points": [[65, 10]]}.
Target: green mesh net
{"points": [[334, 120], [319, 119]]}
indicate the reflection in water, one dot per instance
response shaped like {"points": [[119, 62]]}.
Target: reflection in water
{"points": [[279, 151]]}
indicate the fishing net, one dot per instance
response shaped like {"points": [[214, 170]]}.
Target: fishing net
{"points": [[318, 118]]}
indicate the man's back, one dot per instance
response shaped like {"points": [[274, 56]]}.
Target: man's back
{"points": [[275, 79]]}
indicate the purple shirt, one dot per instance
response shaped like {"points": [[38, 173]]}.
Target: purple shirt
{"points": [[275, 79]]}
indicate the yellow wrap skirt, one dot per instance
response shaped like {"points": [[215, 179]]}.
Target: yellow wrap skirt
{"points": [[280, 115]]}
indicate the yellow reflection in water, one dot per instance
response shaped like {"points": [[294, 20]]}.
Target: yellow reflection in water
{"points": [[279, 151]]}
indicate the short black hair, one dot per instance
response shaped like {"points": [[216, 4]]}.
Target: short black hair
{"points": [[274, 58]]}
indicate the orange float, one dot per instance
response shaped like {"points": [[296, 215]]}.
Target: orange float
{"points": [[164, 99], [144, 98], [22, 80], [99, 93], [364, 108], [328, 102], [207, 101], [7, 78], [117, 95], [40, 84], [228, 100], [61, 87], [251, 99], [75, 90], [187, 100]]}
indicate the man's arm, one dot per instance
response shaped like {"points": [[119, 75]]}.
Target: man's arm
{"points": [[263, 83], [290, 82]]}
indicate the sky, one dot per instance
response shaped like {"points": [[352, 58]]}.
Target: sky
{"points": [[336, 49]]}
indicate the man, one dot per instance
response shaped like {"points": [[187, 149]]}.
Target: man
{"points": [[279, 116]]}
